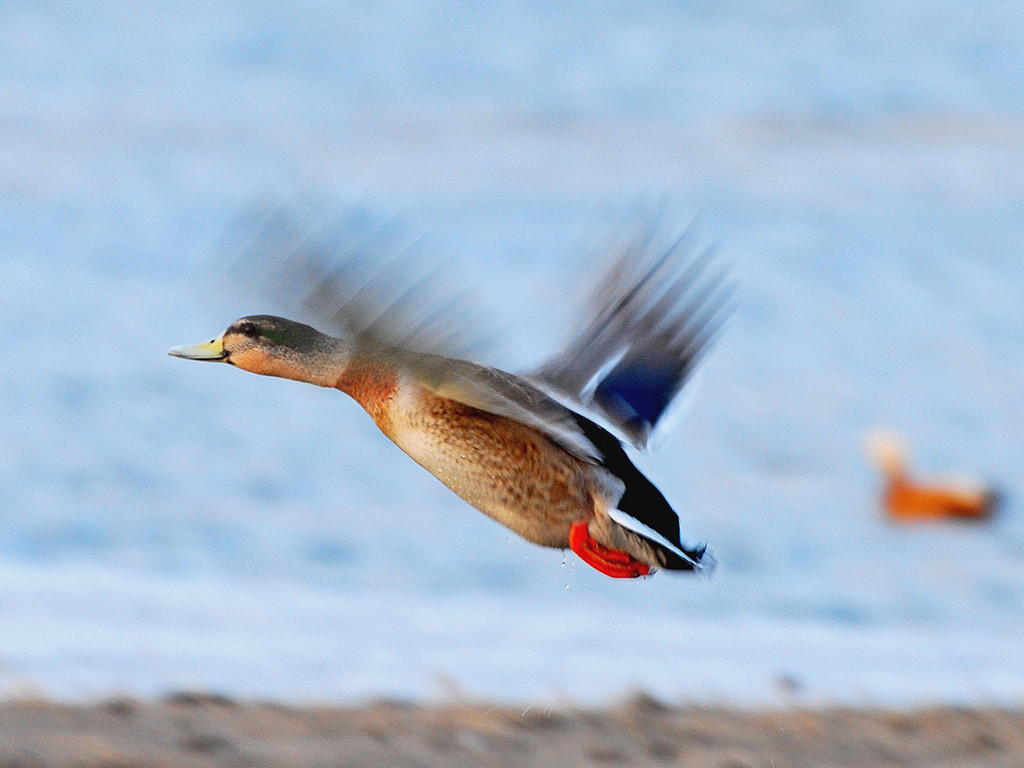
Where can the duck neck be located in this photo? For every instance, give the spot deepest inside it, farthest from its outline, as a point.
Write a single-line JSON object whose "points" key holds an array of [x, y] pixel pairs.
{"points": [[322, 364], [325, 366], [372, 381]]}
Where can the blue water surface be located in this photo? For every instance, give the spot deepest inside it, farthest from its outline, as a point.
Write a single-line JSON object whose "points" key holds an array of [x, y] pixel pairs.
{"points": [[170, 525]]}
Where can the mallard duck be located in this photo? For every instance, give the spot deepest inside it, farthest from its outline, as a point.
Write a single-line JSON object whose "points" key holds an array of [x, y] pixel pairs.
{"points": [[907, 499], [519, 448]]}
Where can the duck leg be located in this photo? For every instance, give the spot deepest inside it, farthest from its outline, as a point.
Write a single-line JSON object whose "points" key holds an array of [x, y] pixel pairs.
{"points": [[610, 562]]}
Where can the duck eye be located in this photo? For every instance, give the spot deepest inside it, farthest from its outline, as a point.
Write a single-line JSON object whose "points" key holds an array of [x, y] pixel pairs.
{"points": [[249, 329]]}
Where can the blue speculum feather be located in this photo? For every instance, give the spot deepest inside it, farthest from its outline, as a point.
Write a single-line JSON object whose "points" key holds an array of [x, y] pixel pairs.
{"points": [[637, 395]]}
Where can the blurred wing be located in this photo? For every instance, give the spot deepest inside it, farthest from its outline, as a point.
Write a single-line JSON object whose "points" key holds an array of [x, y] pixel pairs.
{"points": [[353, 273], [504, 394], [365, 279], [654, 315]]}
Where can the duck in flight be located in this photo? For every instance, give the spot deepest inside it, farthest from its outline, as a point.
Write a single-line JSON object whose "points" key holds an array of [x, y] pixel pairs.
{"points": [[528, 450]]}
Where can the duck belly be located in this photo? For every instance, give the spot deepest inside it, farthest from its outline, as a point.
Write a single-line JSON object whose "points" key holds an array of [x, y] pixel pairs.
{"points": [[510, 472]]}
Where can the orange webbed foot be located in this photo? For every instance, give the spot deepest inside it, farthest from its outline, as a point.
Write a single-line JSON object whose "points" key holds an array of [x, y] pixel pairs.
{"points": [[610, 562]]}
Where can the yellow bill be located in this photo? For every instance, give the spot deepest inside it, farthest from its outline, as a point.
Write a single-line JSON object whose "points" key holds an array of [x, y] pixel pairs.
{"points": [[211, 350]]}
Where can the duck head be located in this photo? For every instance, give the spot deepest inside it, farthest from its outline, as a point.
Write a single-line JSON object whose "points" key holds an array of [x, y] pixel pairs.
{"points": [[274, 346]]}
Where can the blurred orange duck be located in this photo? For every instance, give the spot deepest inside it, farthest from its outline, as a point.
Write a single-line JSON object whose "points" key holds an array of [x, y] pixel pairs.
{"points": [[908, 500]]}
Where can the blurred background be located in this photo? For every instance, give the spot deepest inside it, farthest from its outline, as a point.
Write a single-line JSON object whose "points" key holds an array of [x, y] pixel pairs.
{"points": [[171, 526]]}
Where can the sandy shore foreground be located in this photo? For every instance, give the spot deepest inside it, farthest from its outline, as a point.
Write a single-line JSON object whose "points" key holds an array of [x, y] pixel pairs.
{"points": [[198, 731]]}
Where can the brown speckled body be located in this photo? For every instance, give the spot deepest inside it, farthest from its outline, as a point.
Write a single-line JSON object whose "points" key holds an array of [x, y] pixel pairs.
{"points": [[509, 471]]}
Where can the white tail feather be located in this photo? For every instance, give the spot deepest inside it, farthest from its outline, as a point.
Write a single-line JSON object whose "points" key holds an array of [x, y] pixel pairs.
{"points": [[631, 523]]}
